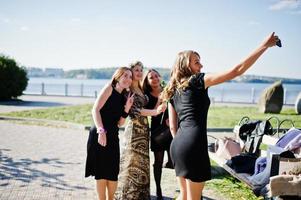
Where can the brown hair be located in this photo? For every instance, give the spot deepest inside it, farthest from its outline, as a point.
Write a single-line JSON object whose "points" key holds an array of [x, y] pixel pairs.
{"points": [[180, 74], [117, 74], [145, 83]]}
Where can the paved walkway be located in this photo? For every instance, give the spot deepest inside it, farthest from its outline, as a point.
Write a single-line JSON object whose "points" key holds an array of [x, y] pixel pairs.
{"points": [[39, 162]]}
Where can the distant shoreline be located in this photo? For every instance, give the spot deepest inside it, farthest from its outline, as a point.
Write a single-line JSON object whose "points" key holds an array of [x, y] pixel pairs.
{"points": [[241, 80], [106, 73]]}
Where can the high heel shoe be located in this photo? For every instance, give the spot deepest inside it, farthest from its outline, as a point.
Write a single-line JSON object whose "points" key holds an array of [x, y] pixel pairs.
{"points": [[168, 165]]}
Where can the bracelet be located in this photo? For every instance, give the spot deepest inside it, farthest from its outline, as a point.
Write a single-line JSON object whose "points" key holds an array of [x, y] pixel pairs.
{"points": [[124, 114], [101, 130]]}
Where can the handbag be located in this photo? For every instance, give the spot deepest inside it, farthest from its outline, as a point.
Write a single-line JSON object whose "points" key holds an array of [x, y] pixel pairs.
{"points": [[227, 148], [162, 136], [250, 133]]}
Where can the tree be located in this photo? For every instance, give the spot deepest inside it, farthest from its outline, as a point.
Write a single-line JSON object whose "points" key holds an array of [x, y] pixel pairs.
{"points": [[13, 79]]}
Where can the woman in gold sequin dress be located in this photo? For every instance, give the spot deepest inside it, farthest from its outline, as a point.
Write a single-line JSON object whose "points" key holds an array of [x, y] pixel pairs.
{"points": [[134, 176]]}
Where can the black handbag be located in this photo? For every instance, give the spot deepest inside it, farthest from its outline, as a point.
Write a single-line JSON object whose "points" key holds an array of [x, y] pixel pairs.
{"points": [[251, 132], [162, 135]]}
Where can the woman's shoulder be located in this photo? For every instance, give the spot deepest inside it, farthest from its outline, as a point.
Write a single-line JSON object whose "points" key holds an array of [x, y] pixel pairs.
{"points": [[106, 90], [197, 81]]}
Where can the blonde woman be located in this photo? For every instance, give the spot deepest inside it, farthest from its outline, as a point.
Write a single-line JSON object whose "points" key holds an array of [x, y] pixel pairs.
{"points": [[134, 176], [109, 112], [188, 107]]}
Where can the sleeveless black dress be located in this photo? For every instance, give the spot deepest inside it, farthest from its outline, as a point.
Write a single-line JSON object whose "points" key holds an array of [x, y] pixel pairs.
{"points": [[103, 162], [156, 124], [189, 148]]}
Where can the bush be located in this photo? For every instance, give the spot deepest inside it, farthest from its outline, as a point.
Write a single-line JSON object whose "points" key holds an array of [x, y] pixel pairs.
{"points": [[13, 78]]}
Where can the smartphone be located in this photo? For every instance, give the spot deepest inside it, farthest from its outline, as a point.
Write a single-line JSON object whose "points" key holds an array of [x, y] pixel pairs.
{"points": [[278, 43]]}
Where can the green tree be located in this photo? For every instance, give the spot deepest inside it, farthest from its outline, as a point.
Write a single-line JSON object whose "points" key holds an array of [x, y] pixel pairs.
{"points": [[13, 79]]}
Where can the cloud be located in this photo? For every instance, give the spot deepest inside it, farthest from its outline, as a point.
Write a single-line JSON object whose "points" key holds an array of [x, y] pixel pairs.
{"points": [[286, 5], [24, 28]]}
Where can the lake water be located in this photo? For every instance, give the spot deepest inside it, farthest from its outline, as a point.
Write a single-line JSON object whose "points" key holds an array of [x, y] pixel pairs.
{"points": [[226, 92]]}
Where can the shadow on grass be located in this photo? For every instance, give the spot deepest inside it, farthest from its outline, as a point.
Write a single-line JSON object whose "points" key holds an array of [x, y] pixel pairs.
{"points": [[17, 102], [25, 171]]}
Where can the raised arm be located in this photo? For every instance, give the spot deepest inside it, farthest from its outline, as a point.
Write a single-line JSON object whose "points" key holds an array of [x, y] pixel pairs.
{"points": [[173, 120], [214, 79], [153, 112]]}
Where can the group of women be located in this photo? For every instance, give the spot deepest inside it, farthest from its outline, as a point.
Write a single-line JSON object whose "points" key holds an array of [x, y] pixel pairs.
{"points": [[127, 176]]}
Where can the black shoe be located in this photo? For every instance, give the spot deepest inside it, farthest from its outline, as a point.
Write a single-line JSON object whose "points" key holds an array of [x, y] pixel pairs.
{"points": [[168, 165]]}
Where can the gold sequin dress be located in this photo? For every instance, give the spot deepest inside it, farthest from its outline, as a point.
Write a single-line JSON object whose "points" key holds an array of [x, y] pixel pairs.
{"points": [[134, 176]]}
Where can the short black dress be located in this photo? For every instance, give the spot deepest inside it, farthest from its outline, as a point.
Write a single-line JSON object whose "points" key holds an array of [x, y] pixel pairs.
{"points": [[189, 148], [156, 124], [103, 162]]}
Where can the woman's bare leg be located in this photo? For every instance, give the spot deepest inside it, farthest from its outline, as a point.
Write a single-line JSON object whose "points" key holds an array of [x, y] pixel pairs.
{"points": [[112, 185], [101, 189], [194, 189], [183, 189]]}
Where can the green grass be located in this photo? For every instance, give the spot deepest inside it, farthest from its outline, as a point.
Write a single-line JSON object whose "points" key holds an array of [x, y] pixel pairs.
{"points": [[80, 114], [229, 187], [224, 116]]}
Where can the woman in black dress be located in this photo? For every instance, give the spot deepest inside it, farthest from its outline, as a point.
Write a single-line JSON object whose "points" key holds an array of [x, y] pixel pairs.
{"points": [[188, 107], [109, 112], [152, 87]]}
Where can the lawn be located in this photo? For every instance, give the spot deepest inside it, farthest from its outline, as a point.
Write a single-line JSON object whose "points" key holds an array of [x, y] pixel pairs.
{"points": [[229, 187], [218, 116], [227, 116]]}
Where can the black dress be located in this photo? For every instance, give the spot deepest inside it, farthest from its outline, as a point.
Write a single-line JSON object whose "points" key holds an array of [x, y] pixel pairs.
{"points": [[103, 162], [156, 124], [189, 148]]}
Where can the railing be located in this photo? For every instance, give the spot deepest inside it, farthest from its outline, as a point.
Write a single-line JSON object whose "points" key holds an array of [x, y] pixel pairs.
{"points": [[63, 89], [223, 95]]}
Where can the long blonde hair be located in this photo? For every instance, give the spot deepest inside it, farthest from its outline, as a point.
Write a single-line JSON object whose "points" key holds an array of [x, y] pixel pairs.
{"points": [[180, 74], [132, 65]]}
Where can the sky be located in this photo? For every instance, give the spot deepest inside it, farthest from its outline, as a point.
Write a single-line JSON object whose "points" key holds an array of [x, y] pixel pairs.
{"points": [[74, 34]]}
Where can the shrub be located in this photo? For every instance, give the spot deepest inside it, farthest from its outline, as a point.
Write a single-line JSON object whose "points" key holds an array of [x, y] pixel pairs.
{"points": [[13, 79]]}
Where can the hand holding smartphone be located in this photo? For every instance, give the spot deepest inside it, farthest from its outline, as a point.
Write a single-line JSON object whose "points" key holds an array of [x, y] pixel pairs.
{"points": [[278, 43]]}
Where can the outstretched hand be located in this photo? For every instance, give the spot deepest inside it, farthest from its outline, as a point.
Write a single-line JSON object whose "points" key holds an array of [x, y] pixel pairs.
{"points": [[271, 40]]}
